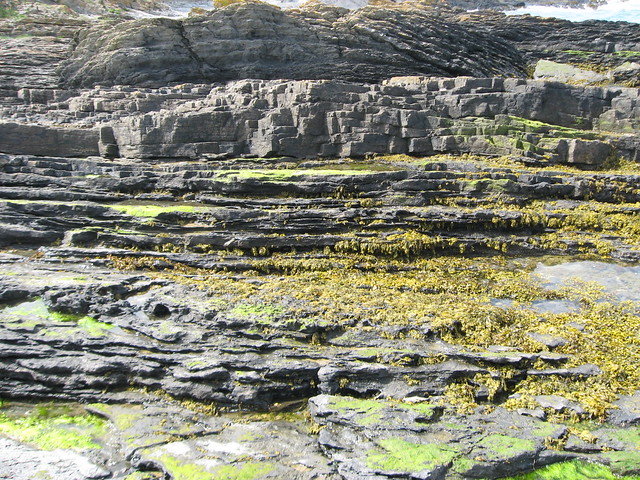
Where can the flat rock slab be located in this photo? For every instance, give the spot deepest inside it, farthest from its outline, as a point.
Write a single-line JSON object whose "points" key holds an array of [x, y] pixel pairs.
{"points": [[379, 439], [21, 462], [187, 444]]}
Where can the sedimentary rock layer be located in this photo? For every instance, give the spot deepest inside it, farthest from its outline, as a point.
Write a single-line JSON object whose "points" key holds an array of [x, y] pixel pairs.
{"points": [[261, 41], [322, 42], [546, 122]]}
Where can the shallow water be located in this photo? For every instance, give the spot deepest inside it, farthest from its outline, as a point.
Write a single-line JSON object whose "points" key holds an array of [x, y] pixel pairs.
{"points": [[622, 282], [614, 10]]}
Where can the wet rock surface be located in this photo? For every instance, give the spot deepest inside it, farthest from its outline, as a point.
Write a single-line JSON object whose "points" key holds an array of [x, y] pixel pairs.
{"points": [[333, 277], [377, 406], [154, 283]]}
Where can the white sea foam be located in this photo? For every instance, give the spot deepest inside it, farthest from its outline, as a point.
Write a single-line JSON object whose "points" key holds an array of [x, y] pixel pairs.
{"points": [[614, 10]]}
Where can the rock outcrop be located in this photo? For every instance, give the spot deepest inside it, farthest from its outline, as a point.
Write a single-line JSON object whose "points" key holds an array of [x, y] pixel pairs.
{"points": [[547, 122], [322, 42], [324, 276], [257, 40]]}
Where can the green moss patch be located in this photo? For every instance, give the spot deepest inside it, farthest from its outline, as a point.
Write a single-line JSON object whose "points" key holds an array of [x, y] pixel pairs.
{"points": [[151, 211], [402, 456], [245, 471], [368, 411], [371, 412], [36, 313], [37, 309], [535, 126], [500, 446], [575, 470], [623, 463], [262, 311], [285, 175], [94, 327], [124, 418], [181, 470], [49, 429], [626, 53]]}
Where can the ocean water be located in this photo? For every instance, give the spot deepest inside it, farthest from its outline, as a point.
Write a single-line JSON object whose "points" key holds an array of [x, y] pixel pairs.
{"points": [[614, 10]]}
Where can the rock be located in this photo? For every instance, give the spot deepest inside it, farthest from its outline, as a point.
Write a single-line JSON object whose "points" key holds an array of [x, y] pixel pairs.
{"points": [[370, 437], [175, 438], [592, 153], [548, 70], [627, 73], [20, 462], [558, 404], [191, 235], [535, 413], [583, 371], [578, 445], [313, 118], [550, 341], [38, 140], [11, 294], [626, 411], [229, 43]]}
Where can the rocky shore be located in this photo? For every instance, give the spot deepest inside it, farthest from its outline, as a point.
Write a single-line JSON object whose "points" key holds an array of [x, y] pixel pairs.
{"points": [[319, 244]]}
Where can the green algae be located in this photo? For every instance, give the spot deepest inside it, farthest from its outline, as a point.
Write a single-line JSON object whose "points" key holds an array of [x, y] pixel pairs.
{"points": [[36, 313], [181, 470], [630, 435], [244, 471], [462, 464], [263, 311], [500, 446], [49, 429], [151, 211], [626, 53], [372, 412], [546, 429], [284, 175], [94, 327], [123, 420], [38, 309], [368, 411], [580, 53], [535, 126], [402, 456], [573, 470], [623, 463], [143, 476]]}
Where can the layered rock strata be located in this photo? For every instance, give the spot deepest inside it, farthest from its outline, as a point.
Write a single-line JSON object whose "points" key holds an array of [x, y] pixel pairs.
{"points": [[261, 41], [545, 121], [323, 42], [343, 206], [153, 266]]}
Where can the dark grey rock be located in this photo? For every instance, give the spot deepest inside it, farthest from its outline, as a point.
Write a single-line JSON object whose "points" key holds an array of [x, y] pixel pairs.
{"points": [[37, 140], [320, 43], [626, 411]]}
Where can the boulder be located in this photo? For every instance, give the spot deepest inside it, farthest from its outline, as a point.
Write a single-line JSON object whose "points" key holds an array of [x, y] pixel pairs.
{"points": [[586, 152], [29, 139]]}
